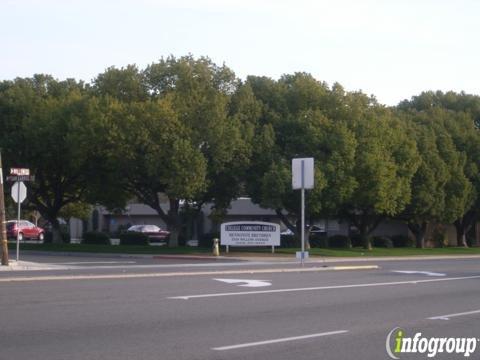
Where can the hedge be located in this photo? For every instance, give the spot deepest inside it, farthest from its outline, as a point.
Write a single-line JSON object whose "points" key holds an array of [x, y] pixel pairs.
{"points": [[339, 241], [96, 238], [133, 238]]}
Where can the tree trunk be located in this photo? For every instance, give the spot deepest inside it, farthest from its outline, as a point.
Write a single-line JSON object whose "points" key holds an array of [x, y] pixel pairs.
{"points": [[367, 244], [461, 233], [419, 230], [56, 231], [366, 223], [286, 221], [174, 223]]}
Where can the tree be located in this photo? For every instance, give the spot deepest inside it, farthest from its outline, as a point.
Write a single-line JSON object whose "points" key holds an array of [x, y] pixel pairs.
{"points": [[385, 162], [157, 157], [183, 141], [439, 185], [55, 128], [293, 123], [462, 124], [467, 141]]}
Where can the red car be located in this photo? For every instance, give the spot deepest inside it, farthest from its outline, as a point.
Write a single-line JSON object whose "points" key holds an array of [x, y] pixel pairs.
{"points": [[25, 230], [154, 233]]}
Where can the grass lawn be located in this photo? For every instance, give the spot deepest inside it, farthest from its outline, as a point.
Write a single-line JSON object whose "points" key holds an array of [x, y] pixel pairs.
{"points": [[359, 252], [355, 252], [112, 249]]}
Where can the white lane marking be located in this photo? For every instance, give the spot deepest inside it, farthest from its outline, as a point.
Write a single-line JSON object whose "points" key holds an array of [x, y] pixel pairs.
{"points": [[166, 274], [94, 262], [274, 341], [258, 292], [447, 317], [247, 283], [428, 273]]}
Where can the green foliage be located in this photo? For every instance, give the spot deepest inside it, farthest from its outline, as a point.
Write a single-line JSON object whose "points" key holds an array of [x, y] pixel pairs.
{"points": [[76, 210], [339, 241], [96, 238], [184, 140], [188, 130], [289, 241], [64, 237], [56, 129], [318, 240], [206, 240], [382, 241], [400, 241], [133, 238]]}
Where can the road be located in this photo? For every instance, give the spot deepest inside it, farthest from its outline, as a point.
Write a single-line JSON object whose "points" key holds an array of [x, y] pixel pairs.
{"points": [[178, 309]]}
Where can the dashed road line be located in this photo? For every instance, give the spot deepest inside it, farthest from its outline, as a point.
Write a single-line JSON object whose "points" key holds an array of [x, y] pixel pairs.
{"points": [[447, 317], [275, 341]]}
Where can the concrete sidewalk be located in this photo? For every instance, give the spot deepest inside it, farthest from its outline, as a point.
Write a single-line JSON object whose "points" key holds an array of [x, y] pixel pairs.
{"points": [[28, 265]]}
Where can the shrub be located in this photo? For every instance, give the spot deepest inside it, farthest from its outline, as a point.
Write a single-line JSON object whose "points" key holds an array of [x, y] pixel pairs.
{"points": [[382, 241], [356, 240], [400, 241], [320, 241], [133, 238], [48, 239], [289, 241], [206, 240], [96, 238], [339, 241]]}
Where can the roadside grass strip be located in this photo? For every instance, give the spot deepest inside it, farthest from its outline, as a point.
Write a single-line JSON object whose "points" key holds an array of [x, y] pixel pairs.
{"points": [[282, 340]]}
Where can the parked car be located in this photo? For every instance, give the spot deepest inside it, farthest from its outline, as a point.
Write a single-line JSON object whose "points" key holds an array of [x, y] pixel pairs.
{"points": [[25, 230], [154, 232], [287, 232], [314, 229]]}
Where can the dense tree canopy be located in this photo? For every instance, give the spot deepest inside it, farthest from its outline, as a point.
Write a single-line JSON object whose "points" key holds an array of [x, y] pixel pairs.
{"points": [[191, 131], [56, 129]]}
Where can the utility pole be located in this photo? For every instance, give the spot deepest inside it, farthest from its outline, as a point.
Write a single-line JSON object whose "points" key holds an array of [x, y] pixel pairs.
{"points": [[3, 230]]}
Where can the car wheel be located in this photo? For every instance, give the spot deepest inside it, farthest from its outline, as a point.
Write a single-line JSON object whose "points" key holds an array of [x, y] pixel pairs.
{"points": [[20, 237], [41, 237]]}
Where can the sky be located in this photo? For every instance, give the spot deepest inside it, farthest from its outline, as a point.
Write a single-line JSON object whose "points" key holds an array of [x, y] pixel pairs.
{"points": [[392, 49]]}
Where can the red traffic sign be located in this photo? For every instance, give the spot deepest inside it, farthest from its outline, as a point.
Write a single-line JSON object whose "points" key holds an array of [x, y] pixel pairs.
{"points": [[19, 171]]}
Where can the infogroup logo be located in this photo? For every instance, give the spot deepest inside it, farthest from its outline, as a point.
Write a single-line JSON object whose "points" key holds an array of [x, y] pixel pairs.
{"points": [[398, 343]]}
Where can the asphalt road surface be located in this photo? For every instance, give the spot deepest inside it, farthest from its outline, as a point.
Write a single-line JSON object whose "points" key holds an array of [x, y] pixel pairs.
{"points": [[144, 308]]}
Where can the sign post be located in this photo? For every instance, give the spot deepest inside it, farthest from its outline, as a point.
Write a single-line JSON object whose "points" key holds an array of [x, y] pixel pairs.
{"points": [[302, 178], [3, 231], [19, 194]]}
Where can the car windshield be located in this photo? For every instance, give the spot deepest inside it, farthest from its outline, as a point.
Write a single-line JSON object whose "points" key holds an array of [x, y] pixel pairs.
{"points": [[151, 228], [11, 224]]}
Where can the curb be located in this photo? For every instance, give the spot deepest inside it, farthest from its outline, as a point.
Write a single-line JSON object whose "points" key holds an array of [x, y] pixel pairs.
{"points": [[240, 257]]}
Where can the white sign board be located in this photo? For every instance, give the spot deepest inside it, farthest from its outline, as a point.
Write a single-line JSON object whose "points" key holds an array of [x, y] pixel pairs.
{"points": [[250, 233], [19, 194], [302, 173]]}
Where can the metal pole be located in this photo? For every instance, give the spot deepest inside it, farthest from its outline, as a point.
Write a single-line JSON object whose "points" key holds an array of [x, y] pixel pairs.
{"points": [[18, 220], [303, 212], [3, 230], [303, 225]]}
